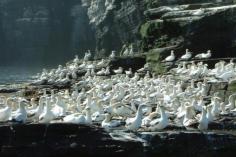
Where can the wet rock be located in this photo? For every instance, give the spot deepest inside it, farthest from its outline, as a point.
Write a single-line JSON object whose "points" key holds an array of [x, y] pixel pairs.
{"points": [[7, 90]]}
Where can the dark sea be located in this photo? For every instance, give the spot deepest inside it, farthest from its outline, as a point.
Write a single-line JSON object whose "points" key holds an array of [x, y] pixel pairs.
{"points": [[16, 75]]}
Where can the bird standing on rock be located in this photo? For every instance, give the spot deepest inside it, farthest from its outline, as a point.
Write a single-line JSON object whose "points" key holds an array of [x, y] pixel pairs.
{"points": [[204, 55], [112, 55], [171, 57], [187, 55]]}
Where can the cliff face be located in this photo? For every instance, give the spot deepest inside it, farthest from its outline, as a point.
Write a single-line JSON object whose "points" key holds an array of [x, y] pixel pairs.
{"points": [[43, 30], [195, 25], [54, 30], [116, 23]]}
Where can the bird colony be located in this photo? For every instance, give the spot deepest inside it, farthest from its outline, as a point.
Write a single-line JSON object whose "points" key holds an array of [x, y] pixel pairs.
{"points": [[131, 100]]}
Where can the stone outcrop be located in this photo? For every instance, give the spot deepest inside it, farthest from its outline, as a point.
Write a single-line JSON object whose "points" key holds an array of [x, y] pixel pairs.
{"points": [[196, 26], [116, 23], [63, 140]]}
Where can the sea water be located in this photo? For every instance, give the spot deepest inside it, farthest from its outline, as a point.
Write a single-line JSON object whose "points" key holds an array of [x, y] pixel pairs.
{"points": [[15, 75]]}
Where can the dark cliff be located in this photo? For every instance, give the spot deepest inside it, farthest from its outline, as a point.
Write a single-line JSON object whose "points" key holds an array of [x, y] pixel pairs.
{"points": [[43, 30], [52, 31], [116, 23]]}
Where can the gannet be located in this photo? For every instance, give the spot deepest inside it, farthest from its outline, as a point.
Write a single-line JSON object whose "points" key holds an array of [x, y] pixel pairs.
{"points": [[129, 72], [107, 123], [20, 115], [76, 59], [126, 52], [5, 113], [204, 55], [189, 116], [171, 57], [79, 118], [47, 115], [134, 124], [187, 55], [203, 122], [101, 72], [209, 115], [231, 100], [107, 72], [160, 123], [131, 51], [119, 70], [112, 55], [101, 63]]}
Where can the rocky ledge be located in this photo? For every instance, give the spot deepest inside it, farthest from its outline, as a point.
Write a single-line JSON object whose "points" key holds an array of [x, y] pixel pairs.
{"points": [[68, 140], [196, 26]]}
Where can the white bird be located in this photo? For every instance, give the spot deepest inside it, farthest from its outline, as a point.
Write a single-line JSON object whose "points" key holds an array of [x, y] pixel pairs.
{"points": [[135, 123], [189, 116], [231, 100], [47, 115], [204, 55], [112, 55], [79, 118], [203, 122], [171, 57], [119, 70], [101, 63], [160, 123], [187, 55], [107, 123], [131, 51], [5, 113], [76, 59], [107, 72], [101, 72], [126, 52], [209, 115], [20, 115], [129, 72]]}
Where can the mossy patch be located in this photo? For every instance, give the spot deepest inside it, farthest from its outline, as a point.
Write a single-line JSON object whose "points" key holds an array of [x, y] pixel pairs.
{"points": [[232, 87], [150, 27], [154, 59]]}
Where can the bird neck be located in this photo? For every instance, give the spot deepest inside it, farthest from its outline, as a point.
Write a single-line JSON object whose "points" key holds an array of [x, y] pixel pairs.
{"points": [[88, 116], [21, 106], [203, 116], [139, 113], [163, 114]]}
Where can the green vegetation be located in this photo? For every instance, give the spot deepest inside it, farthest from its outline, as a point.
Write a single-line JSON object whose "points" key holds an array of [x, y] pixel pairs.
{"points": [[232, 87], [144, 29], [154, 59], [150, 28]]}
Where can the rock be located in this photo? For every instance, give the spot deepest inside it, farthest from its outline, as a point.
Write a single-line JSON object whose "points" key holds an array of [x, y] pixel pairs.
{"points": [[190, 26], [115, 24], [190, 144], [72, 140], [7, 90], [128, 62], [62, 140]]}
